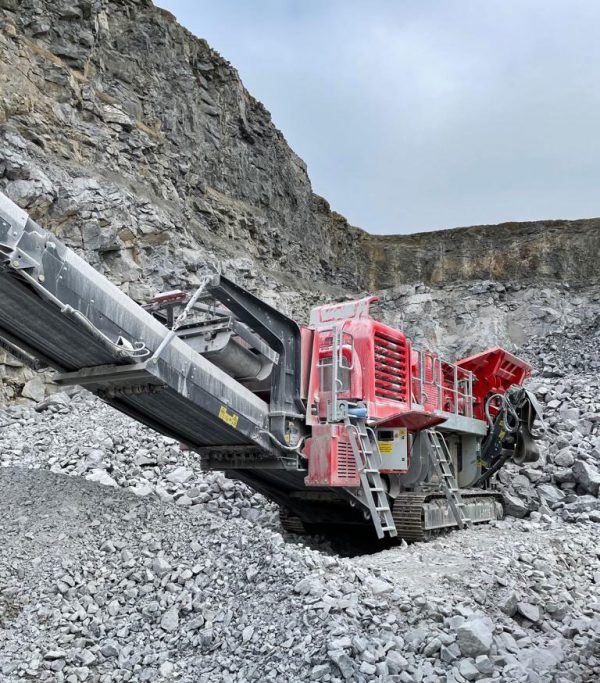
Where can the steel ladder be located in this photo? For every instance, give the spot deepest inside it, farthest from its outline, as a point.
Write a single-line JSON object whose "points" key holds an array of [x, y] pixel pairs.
{"points": [[374, 496], [439, 456]]}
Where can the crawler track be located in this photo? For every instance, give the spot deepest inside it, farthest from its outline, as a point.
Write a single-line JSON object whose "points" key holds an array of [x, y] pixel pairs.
{"points": [[407, 511]]}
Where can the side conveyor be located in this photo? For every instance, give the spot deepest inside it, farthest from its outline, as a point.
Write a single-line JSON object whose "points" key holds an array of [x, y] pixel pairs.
{"points": [[57, 308]]}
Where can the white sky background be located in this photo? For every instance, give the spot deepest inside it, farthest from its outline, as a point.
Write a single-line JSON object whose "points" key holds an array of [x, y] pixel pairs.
{"points": [[423, 114]]}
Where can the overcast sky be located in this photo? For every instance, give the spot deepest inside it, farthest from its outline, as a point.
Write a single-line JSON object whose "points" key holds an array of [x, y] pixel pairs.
{"points": [[415, 115]]}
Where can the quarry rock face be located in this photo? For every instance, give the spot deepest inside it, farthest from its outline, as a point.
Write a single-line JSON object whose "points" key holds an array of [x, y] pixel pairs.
{"points": [[137, 143], [138, 146]]}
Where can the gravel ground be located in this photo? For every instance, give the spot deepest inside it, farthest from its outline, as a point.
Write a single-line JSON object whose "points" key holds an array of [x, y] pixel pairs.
{"points": [[122, 561], [100, 585]]}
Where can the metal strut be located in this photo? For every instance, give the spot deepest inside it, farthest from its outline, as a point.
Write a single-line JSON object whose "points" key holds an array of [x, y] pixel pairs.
{"points": [[374, 496], [439, 456]]}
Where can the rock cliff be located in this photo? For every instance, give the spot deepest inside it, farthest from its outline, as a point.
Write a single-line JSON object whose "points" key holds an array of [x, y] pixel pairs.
{"points": [[136, 142], [138, 145]]}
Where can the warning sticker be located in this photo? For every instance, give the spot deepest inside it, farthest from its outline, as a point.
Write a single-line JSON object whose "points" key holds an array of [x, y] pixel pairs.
{"points": [[385, 446], [229, 418]]}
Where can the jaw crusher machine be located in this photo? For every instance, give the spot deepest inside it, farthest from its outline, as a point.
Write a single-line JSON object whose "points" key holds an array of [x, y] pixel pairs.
{"points": [[342, 423]]}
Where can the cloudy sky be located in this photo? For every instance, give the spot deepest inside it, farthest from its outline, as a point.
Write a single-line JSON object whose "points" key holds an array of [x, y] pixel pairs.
{"points": [[416, 115]]}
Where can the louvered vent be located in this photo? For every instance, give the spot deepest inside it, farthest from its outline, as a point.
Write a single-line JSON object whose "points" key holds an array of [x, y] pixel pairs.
{"points": [[390, 368], [346, 464]]}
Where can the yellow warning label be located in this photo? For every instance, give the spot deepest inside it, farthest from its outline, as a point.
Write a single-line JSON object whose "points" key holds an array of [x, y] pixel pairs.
{"points": [[229, 418], [403, 433], [385, 446]]}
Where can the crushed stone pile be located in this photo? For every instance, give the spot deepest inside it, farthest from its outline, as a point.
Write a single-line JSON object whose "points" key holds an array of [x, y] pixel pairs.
{"points": [[98, 584], [566, 381], [74, 433], [140, 567]]}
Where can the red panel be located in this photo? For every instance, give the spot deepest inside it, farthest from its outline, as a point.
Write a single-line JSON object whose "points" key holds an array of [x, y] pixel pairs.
{"points": [[495, 371], [379, 357], [330, 458], [413, 420]]}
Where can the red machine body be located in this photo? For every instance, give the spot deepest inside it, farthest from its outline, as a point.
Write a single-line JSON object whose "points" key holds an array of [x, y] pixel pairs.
{"points": [[495, 370], [399, 386], [330, 457]]}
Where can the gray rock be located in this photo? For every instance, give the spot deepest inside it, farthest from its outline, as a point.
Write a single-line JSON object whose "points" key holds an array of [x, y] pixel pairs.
{"points": [[468, 669], [378, 586], [508, 604], [514, 506], [475, 637], [170, 620], [343, 663], [484, 664], [530, 612], [587, 476], [110, 648], [160, 566], [551, 493], [395, 662], [319, 672], [564, 458], [180, 475], [35, 389], [101, 477]]}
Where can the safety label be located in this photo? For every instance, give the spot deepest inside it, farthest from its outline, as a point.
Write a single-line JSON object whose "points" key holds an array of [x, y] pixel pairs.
{"points": [[229, 418]]}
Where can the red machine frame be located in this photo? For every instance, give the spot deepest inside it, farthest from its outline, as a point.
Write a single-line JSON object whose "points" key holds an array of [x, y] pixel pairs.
{"points": [[399, 386]]}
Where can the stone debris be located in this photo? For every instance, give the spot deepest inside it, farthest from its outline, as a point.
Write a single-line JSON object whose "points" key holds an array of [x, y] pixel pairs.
{"points": [[475, 637], [138, 540], [566, 478], [123, 582], [79, 435]]}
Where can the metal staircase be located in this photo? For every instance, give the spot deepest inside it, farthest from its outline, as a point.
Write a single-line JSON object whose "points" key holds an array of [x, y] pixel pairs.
{"points": [[372, 492], [439, 456]]}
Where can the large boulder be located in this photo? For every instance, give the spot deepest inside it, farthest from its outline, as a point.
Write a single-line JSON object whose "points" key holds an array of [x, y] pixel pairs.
{"points": [[475, 637], [35, 389], [513, 505], [587, 476]]}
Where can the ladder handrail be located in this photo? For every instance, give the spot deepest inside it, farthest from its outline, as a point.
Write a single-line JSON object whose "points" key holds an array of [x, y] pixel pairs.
{"points": [[372, 494], [439, 455]]}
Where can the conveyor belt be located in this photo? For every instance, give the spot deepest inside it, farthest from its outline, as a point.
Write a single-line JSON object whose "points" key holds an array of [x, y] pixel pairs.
{"points": [[64, 311]]}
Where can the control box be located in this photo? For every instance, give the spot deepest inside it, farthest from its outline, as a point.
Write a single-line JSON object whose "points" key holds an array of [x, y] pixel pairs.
{"points": [[393, 447]]}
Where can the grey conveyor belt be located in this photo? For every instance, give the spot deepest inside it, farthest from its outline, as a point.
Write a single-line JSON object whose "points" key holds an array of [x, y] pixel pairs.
{"points": [[56, 307]]}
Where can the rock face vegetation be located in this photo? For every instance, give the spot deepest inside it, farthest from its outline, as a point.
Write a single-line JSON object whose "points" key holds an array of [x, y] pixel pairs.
{"points": [[138, 145]]}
